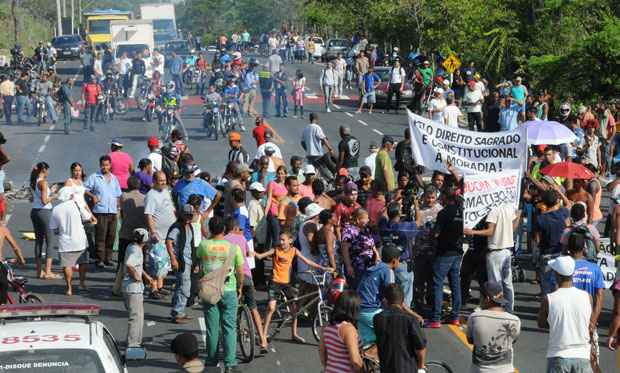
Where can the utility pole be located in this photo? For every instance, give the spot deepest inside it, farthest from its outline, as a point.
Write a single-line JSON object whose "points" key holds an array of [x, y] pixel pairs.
{"points": [[72, 16], [64, 8], [59, 17]]}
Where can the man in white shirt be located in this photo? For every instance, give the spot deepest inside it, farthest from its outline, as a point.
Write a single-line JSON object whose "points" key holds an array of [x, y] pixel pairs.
{"points": [[158, 61], [313, 140], [473, 103], [274, 62], [148, 62], [340, 66], [397, 85], [501, 223], [71, 241], [124, 67], [451, 113], [372, 157], [327, 82], [566, 312], [436, 106], [154, 153], [269, 149]]}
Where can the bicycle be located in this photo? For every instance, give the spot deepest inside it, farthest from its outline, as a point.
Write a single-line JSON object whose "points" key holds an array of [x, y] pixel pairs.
{"points": [[371, 364], [18, 284], [212, 119], [246, 333], [284, 307]]}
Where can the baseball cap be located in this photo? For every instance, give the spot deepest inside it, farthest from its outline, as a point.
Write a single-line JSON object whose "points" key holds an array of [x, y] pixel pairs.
{"points": [[495, 291], [189, 168], [373, 145], [563, 265], [116, 142], [141, 234], [257, 186], [258, 120], [188, 210], [439, 90], [184, 344], [390, 252], [309, 170], [387, 139], [313, 210], [153, 141], [343, 172], [350, 187]]}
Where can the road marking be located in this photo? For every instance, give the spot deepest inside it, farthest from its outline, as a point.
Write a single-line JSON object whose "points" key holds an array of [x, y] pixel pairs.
{"points": [[349, 114], [343, 97], [312, 96], [362, 122], [46, 139], [41, 148], [203, 330], [337, 107], [377, 132], [458, 332]]}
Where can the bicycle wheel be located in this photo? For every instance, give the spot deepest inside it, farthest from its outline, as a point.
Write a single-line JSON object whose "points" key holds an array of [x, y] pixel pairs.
{"points": [[321, 318], [281, 315], [437, 367], [30, 298], [245, 333], [121, 107]]}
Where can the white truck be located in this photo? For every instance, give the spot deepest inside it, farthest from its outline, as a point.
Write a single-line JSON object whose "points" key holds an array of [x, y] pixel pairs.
{"points": [[132, 36], [164, 21]]}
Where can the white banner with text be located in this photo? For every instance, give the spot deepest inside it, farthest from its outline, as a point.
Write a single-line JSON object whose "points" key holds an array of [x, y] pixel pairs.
{"points": [[482, 193]]}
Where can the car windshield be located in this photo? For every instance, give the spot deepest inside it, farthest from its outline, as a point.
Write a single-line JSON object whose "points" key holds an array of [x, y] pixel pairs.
{"points": [[99, 26], [130, 49], [339, 43], [178, 47], [50, 361], [65, 40]]}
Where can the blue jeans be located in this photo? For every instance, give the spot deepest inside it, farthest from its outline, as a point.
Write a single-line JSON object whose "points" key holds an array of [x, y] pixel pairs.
{"points": [[182, 290], [66, 112], [178, 82], [366, 327], [444, 266], [281, 102], [51, 111], [23, 102], [568, 365], [404, 278], [8, 103], [266, 95]]}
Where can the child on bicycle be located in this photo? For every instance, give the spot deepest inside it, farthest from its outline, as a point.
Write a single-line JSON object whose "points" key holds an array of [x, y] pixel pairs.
{"points": [[282, 257]]}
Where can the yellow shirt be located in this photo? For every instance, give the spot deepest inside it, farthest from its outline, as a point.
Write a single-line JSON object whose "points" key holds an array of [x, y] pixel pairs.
{"points": [[7, 88]]}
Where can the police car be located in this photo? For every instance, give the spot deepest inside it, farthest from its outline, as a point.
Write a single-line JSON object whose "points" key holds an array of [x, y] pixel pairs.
{"points": [[55, 338]]}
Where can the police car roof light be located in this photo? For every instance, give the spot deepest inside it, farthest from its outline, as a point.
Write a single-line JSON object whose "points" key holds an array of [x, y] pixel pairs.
{"points": [[16, 311]]}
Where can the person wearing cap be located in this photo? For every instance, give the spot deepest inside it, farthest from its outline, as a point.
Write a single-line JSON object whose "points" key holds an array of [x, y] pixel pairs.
{"points": [[221, 317], [237, 152], [567, 313], [122, 163], [508, 114], [305, 188], [181, 249], [190, 184], [384, 171], [370, 160], [397, 79], [437, 105], [347, 205], [105, 191], [133, 285], [90, 92], [66, 224], [472, 101], [348, 151], [588, 277], [488, 325], [154, 153], [271, 150], [186, 353], [401, 344]]}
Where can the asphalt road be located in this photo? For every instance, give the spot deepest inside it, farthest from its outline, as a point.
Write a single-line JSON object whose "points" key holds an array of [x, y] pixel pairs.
{"points": [[29, 144]]}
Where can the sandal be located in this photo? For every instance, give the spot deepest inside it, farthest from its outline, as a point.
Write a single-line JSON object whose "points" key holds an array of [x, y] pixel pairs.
{"points": [[298, 339]]}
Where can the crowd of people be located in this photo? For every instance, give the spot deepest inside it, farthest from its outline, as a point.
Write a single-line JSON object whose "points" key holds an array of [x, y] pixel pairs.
{"points": [[393, 235]]}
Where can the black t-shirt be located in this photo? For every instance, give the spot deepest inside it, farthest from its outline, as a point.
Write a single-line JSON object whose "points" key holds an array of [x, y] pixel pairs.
{"points": [[398, 337], [449, 228], [404, 158], [350, 146], [23, 88]]}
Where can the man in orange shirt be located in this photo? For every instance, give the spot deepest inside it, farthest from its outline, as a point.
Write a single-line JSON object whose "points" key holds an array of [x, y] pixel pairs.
{"points": [[90, 92]]}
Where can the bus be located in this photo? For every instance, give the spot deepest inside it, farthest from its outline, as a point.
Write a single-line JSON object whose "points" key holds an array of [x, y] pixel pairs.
{"points": [[98, 24]]}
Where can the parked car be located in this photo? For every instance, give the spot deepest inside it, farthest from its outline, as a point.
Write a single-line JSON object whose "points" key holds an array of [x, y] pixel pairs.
{"points": [[383, 88], [334, 47], [67, 46], [319, 47]]}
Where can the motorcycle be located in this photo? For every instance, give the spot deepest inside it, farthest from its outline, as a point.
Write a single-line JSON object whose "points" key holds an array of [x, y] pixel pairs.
{"points": [[212, 119], [167, 121], [144, 88], [231, 117], [151, 104], [41, 109]]}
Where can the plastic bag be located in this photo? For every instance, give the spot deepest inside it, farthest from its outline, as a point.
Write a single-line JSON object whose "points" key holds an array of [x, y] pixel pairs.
{"points": [[159, 260], [75, 113]]}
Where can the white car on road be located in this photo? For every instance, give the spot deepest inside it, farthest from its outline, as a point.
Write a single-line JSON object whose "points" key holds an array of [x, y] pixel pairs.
{"points": [[56, 338]]}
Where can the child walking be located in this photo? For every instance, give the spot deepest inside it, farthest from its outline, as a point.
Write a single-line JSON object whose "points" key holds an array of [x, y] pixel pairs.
{"points": [[282, 257], [299, 84]]}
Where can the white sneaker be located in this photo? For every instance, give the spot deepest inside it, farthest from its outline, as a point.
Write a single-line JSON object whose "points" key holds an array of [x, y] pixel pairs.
{"points": [[329, 110]]}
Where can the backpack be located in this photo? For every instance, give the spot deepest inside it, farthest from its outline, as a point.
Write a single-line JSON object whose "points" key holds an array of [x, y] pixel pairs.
{"points": [[211, 287], [168, 165], [589, 250]]}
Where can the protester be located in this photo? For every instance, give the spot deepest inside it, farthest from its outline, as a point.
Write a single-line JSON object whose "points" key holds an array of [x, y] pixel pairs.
{"points": [[40, 215]]}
